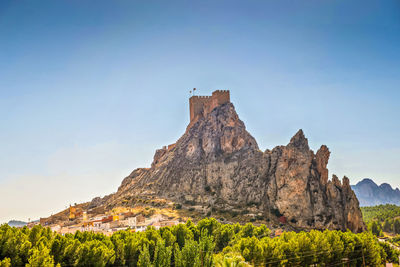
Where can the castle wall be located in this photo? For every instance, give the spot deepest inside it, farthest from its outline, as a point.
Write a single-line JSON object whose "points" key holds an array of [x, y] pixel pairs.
{"points": [[197, 104], [171, 146]]}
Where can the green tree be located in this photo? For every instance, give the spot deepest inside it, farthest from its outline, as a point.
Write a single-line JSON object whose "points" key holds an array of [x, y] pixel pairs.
{"points": [[40, 256], [70, 255], [224, 236], [375, 228], [182, 233], [95, 253], [210, 224], [390, 254], [336, 246], [167, 236], [321, 246], [371, 249], [153, 237], [194, 229], [189, 256], [134, 244], [387, 226], [15, 244], [162, 255], [206, 249], [303, 246], [35, 234], [251, 249], [230, 260], [396, 226], [119, 248], [6, 262], [144, 258], [248, 230], [262, 231]]}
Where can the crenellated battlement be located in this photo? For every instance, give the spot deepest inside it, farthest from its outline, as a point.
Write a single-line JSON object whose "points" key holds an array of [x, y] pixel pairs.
{"points": [[201, 96], [200, 106]]}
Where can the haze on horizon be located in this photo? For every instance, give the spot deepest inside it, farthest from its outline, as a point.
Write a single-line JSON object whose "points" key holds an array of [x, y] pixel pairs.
{"points": [[89, 90]]}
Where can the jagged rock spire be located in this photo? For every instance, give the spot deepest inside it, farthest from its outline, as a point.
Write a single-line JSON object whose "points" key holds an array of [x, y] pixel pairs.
{"points": [[299, 141], [322, 158]]}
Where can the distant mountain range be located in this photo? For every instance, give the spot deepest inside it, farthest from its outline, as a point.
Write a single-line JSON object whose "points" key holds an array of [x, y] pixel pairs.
{"points": [[370, 194], [15, 223]]}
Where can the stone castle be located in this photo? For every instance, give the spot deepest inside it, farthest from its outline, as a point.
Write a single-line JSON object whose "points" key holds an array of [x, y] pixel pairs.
{"points": [[201, 106]]}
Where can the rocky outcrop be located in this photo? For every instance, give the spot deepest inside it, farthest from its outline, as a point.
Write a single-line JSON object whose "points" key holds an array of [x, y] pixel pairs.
{"points": [[217, 164]]}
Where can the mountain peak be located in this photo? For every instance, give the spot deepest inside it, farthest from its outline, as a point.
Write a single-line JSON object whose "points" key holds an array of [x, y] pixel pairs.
{"points": [[370, 194], [299, 140], [217, 165], [219, 132], [367, 181], [386, 186]]}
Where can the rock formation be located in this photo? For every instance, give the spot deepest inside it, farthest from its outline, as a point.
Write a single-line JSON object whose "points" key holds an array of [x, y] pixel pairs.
{"points": [[217, 164]]}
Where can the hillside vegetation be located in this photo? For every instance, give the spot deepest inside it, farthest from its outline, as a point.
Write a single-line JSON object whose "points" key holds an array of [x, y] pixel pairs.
{"points": [[209, 243], [382, 218], [380, 212]]}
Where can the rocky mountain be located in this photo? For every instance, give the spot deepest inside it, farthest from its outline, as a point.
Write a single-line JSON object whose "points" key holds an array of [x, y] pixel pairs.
{"points": [[15, 223], [217, 165], [370, 194]]}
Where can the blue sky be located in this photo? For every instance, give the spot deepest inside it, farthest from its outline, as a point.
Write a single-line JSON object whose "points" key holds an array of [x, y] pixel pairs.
{"points": [[89, 89]]}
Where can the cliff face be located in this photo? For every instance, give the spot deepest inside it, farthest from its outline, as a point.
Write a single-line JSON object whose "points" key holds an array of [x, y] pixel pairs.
{"points": [[217, 164]]}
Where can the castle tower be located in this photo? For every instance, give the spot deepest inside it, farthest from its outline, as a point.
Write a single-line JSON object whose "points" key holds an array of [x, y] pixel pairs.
{"points": [[219, 98], [201, 106]]}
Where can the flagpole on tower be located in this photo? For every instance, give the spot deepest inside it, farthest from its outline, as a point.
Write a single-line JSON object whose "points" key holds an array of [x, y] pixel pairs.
{"points": [[192, 91]]}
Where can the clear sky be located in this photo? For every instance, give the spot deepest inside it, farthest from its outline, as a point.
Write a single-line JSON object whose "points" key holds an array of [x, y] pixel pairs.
{"points": [[89, 89]]}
